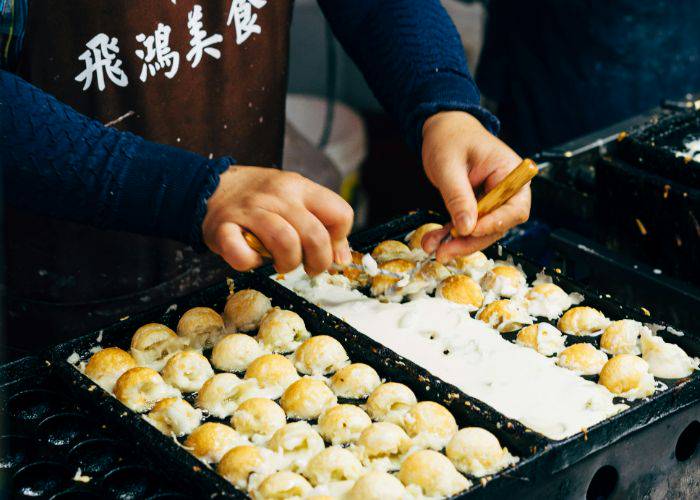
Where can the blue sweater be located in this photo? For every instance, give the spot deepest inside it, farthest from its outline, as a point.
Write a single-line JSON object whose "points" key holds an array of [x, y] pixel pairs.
{"points": [[58, 162]]}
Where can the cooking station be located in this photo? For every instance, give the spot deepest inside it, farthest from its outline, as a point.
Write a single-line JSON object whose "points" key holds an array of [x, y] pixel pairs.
{"points": [[64, 437]]}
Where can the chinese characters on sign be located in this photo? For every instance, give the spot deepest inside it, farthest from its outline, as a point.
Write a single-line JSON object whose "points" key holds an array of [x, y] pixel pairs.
{"points": [[244, 19], [200, 42], [158, 54], [101, 59]]}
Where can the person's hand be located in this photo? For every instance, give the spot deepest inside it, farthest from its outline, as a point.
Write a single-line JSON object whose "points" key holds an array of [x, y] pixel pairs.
{"points": [[293, 217], [460, 156]]}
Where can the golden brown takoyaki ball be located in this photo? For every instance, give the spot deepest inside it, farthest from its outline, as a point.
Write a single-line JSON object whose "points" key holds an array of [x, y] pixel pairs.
{"points": [[433, 473], [107, 365], [282, 331], [307, 398], [174, 416], [244, 310], [627, 375], [320, 355], [140, 388], [355, 381], [202, 326], [391, 250], [390, 402], [187, 371], [461, 289], [582, 321], [211, 441]]}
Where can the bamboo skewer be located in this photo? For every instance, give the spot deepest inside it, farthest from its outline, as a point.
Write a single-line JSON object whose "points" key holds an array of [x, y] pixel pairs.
{"points": [[504, 190]]}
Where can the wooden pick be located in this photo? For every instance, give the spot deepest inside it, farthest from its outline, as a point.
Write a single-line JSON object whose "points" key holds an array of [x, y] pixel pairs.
{"points": [[256, 244], [504, 190]]}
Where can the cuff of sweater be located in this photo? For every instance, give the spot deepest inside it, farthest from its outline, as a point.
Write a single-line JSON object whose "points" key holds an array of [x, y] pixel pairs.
{"points": [[163, 191], [445, 91]]}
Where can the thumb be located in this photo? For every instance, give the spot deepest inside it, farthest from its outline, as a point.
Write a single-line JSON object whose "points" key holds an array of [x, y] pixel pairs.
{"points": [[456, 190]]}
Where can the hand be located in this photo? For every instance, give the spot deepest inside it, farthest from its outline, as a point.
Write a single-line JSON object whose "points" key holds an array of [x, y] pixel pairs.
{"points": [[459, 154], [293, 217]]}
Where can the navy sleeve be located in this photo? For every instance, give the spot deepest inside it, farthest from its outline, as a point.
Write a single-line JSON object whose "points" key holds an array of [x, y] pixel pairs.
{"points": [[60, 163], [412, 57]]}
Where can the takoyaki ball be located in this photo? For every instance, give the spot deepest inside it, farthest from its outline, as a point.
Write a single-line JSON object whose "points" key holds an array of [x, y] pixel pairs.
{"points": [[474, 265], [377, 485], [666, 360], [542, 337], [582, 358], [430, 425], [343, 424], [355, 381], [415, 241], [153, 344], [387, 287], [235, 352], [391, 250], [187, 371], [390, 402], [211, 441], [461, 289], [504, 315], [307, 398], [504, 281], [333, 464], [628, 376], [258, 418], [297, 442], [282, 331], [320, 355], [356, 276], [547, 300], [223, 393], [477, 452], [432, 473], [273, 373], [244, 310], [429, 275], [622, 337], [174, 416], [283, 485], [202, 326], [140, 388], [107, 365], [583, 321], [383, 445], [241, 462]]}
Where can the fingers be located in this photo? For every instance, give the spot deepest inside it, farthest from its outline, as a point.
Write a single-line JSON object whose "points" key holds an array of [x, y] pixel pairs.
{"points": [[234, 249], [452, 181], [315, 240], [431, 241], [337, 217], [464, 246], [278, 236], [515, 211]]}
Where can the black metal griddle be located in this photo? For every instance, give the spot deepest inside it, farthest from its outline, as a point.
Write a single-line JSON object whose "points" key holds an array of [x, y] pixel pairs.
{"points": [[655, 145], [544, 463]]}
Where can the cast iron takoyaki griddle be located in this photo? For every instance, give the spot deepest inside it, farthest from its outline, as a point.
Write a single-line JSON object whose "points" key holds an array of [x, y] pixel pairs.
{"points": [[540, 457], [48, 436], [558, 455], [467, 411]]}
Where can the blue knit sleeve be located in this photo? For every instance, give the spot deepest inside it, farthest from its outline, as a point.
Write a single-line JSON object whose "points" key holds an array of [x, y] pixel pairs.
{"points": [[412, 57], [59, 163]]}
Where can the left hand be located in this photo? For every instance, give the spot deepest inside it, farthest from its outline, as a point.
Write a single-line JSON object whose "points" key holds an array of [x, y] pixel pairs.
{"points": [[459, 155]]}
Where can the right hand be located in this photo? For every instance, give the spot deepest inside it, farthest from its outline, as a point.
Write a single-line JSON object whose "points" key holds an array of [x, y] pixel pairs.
{"points": [[296, 219]]}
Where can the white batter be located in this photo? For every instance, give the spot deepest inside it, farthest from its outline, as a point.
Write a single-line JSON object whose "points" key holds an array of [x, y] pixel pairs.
{"points": [[517, 381]]}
